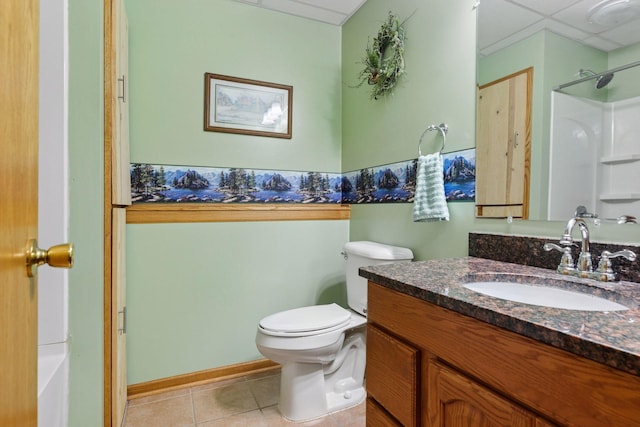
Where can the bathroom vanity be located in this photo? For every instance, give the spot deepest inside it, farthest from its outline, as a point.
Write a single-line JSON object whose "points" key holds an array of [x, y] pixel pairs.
{"points": [[439, 354]]}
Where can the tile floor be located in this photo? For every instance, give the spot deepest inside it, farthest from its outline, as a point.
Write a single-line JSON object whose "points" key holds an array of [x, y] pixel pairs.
{"points": [[249, 401]]}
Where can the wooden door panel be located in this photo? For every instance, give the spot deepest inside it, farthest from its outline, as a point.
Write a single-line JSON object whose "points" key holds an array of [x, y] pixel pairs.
{"points": [[19, 212], [492, 136], [378, 417], [503, 146], [121, 179], [119, 222], [457, 401], [395, 389], [517, 140]]}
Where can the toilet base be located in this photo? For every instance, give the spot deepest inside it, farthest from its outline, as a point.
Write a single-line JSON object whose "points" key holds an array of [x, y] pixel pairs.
{"points": [[339, 401], [302, 388], [313, 390]]}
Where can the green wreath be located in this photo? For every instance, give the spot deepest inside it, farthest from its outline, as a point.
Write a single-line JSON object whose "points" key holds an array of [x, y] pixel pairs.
{"points": [[384, 60]]}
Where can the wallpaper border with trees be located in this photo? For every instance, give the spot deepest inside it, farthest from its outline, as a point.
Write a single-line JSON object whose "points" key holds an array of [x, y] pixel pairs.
{"points": [[391, 183]]}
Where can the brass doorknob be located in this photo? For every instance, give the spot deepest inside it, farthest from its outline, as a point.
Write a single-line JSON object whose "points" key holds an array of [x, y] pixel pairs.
{"points": [[57, 256]]}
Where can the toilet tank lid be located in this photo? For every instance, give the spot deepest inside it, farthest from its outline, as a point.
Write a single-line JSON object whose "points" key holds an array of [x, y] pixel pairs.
{"points": [[376, 250], [306, 319]]}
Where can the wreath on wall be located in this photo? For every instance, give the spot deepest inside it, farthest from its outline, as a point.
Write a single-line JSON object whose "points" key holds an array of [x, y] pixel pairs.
{"points": [[384, 59]]}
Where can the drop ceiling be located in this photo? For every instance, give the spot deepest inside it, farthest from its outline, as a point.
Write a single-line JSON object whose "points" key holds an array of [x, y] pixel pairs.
{"points": [[500, 22], [335, 12], [503, 22]]}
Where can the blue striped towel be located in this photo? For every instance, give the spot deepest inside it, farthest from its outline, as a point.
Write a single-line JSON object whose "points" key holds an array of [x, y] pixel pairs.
{"points": [[429, 203]]}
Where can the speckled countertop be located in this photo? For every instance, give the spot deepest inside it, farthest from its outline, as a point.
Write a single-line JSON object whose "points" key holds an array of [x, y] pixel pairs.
{"points": [[611, 338]]}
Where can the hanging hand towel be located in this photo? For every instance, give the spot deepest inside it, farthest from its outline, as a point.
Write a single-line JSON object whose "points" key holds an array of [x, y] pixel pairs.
{"points": [[429, 203]]}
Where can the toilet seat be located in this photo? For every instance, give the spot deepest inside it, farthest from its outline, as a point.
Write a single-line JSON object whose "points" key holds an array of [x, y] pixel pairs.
{"points": [[305, 321]]}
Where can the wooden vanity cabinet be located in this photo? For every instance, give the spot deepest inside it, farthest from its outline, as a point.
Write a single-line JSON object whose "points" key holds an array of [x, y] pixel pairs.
{"points": [[455, 400], [392, 378], [432, 367]]}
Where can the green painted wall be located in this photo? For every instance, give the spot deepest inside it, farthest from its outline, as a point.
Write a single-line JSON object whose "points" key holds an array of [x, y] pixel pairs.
{"points": [[625, 83], [173, 43], [85, 212], [196, 292], [439, 86], [195, 300]]}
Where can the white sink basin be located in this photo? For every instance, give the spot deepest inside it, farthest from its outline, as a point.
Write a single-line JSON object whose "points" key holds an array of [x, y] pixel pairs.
{"points": [[544, 296]]}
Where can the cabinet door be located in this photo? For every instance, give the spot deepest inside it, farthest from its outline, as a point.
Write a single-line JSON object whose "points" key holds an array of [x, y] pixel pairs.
{"points": [[392, 375], [457, 401], [503, 147], [119, 316], [378, 417], [120, 175]]}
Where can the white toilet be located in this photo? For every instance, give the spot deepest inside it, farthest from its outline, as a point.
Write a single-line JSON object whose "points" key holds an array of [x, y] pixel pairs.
{"points": [[321, 348]]}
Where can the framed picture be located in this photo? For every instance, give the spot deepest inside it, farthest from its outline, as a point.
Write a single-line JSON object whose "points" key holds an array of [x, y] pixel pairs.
{"points": [[249, 107]]}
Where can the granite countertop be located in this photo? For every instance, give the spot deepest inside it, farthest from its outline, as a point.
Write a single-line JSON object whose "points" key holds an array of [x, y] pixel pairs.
{"points": [[611, 338]]}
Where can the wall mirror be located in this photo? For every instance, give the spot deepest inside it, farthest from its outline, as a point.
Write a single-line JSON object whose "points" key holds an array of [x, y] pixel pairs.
{"points": [[566, 41]]}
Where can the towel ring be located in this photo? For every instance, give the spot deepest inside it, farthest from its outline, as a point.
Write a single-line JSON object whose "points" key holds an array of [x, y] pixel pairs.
{"points": [[443, 128]]}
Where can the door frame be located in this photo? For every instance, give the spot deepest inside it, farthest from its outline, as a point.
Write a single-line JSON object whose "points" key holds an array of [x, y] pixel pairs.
{"points": [[110, 318]]}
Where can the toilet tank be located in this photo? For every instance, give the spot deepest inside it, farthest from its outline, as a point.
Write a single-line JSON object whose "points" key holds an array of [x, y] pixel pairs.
{"points": [[363, 254]]}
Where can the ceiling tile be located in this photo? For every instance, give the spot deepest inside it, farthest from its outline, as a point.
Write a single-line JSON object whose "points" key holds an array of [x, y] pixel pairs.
{"points": [[625, 34], [565, 30], [600, 43], [305, 10], [346, 7], [499, 19], [508, 41], [576, 16], [546, 7], [500, 22]]}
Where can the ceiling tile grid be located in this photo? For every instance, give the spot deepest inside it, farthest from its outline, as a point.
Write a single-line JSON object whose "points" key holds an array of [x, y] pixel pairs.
{"points": [[503, 22]]}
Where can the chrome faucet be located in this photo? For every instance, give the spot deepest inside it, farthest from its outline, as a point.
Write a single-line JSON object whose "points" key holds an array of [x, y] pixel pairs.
{"points": [[584, 260], [584, 267]]}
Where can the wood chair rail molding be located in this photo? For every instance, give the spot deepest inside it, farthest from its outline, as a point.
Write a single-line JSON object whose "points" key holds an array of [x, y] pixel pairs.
{"points": [[203, 212]]}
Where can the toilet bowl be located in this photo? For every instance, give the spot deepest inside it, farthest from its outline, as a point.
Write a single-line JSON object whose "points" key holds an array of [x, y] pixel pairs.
{"points": [[321, 348]]}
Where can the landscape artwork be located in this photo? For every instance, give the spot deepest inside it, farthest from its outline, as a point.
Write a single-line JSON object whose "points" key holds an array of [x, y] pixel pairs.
{"points": [[392, 183], [182, 184], [396, 182], [249, 107], [460, 175]]}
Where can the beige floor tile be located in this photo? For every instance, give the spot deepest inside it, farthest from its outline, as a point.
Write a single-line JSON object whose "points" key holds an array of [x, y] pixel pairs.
{"points": [[266, 390], [228, 404], [352, 417], [176, 412], [223, 402], [247, 419], [276, 420]]}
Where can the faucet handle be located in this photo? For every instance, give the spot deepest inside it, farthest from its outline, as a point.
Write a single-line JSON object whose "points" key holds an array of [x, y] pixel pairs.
{"points": [[566, 262], [625, 253], [604, 266]]}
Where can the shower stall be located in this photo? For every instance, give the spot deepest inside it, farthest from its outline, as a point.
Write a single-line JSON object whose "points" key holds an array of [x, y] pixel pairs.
{"points": [[594, 152]]}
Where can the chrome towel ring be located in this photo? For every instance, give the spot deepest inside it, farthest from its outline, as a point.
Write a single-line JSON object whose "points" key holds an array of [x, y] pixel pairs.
{"points": [[443, 128]]}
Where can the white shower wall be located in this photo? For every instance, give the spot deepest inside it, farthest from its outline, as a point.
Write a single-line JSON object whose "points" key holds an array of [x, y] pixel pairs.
{"points": [[594, 157]]}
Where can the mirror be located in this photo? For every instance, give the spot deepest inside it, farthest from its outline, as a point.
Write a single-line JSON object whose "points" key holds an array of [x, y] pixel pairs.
{"points": [[557, 40]]}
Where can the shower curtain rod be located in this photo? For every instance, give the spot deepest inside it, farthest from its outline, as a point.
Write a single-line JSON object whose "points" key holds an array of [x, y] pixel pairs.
{"points": [[595, 76]]}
